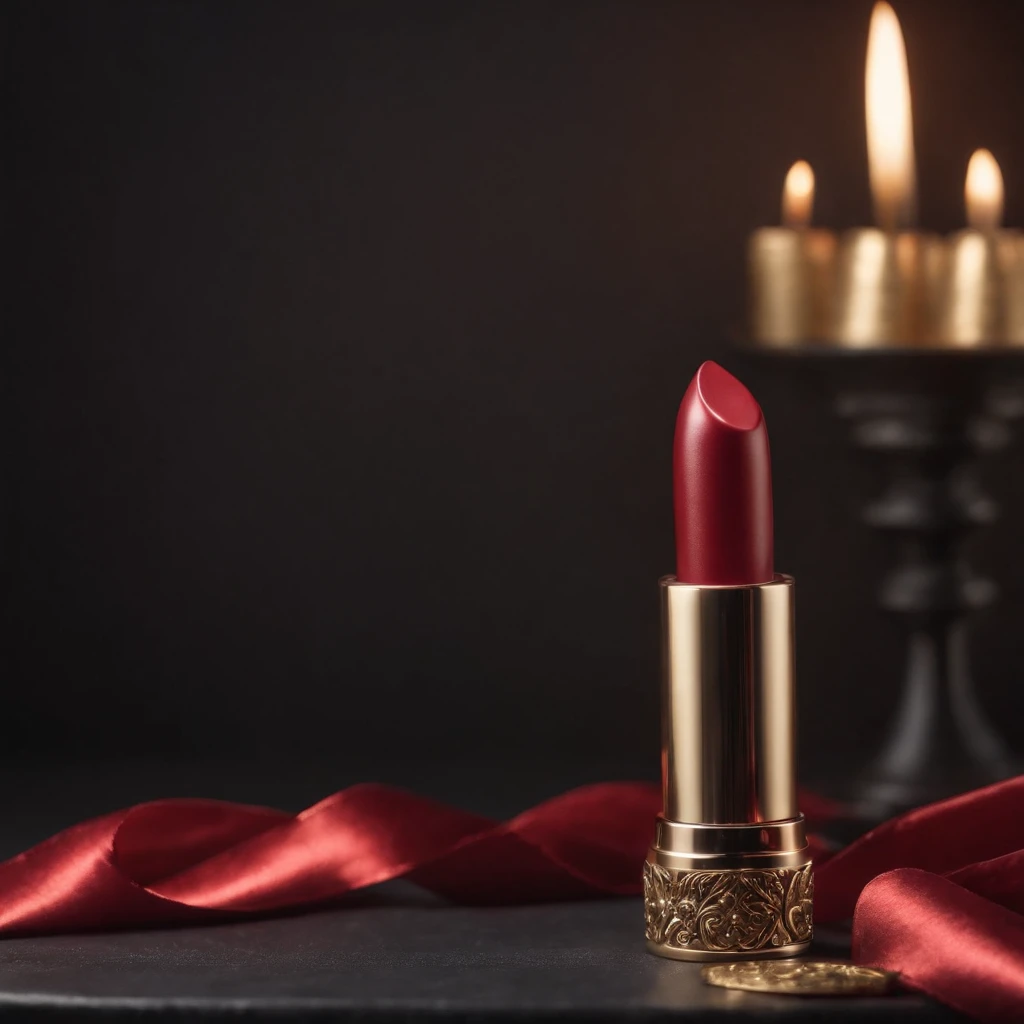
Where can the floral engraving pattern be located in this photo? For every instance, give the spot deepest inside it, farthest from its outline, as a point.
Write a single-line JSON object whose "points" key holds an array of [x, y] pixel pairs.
{"points": [[737, 910]]}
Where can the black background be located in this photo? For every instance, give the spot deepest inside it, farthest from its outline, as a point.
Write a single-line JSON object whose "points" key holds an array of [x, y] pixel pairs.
{"points": [[345, 348]]}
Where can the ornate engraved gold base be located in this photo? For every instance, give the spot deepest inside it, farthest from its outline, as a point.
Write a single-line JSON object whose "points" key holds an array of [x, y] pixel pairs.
{"points": [[729, 905]]}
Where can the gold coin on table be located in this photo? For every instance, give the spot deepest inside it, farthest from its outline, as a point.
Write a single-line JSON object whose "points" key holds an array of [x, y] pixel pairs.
{"points": [[802, 978]]}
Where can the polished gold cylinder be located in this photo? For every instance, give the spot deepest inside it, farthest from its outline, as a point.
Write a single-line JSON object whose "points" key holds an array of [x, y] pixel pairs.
{"points": [[728, 876], [791, 275], [728, 712], [887, 286]]}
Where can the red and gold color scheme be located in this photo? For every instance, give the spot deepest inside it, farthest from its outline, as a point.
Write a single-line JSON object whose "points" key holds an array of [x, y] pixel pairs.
{"points": [[729, 874]]}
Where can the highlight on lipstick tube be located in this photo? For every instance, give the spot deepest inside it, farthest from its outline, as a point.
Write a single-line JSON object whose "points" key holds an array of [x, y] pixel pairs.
{"points": [[728, 876]]}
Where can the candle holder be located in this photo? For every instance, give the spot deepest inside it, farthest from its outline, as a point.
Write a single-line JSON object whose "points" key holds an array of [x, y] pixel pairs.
{"points": [[929, 415]]}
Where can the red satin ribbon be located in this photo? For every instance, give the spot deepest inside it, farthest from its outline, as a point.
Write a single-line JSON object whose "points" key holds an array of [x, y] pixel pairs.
{"points": [[941, 899], [939, 892], [174, 861]]}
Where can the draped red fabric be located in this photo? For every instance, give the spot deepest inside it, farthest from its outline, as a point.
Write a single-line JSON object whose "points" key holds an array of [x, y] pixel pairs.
{"points": [[174, 861], [937, 894]]}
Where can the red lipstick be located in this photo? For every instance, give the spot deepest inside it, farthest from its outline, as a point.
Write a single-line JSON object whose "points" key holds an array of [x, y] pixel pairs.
{"points": [[728, 876], [723, 484]]}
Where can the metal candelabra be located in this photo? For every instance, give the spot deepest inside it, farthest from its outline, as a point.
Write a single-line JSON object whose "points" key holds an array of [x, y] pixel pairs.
{"points": [[929, 415]]}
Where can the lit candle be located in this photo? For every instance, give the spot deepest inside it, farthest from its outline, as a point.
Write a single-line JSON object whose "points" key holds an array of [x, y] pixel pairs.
{"points": [[889, 122], [983, 199], [982, 297], [798, 196], [983, 192], [790, 269], [886, 274]]}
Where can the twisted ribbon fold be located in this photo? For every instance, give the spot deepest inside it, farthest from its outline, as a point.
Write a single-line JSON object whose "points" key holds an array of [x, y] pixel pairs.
{"points": [[937, 894]]}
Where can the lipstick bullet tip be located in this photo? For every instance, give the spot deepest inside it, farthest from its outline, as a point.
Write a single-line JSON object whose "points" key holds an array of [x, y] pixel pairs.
{"points": [[727, 398]]}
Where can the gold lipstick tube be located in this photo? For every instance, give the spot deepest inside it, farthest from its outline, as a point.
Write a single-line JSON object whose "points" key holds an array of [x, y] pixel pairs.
{"points": [[728, 876]]}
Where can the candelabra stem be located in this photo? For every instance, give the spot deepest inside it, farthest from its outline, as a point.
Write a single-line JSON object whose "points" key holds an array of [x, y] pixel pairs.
{"points": [[940, 741]]}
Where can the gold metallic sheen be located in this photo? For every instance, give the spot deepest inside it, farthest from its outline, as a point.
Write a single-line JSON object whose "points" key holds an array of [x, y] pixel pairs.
{"points": [[887, 288], [681, 838], [695, 956], [728, 875], [803, 978], [973, 306], [713, 913], [728, 728], [791, 274], [1011, 245]]}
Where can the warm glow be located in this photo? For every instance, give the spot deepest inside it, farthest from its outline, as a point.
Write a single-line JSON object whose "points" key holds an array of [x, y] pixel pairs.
{"points": [[890, 127], [983, 192], [798, 195]]}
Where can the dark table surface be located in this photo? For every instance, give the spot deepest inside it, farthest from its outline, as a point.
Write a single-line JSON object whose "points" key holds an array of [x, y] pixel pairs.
{"points": [[582, 961], [390, 955]]}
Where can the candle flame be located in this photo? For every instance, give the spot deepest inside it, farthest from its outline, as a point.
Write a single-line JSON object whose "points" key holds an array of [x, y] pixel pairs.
{"points": [[983, 192], [798, 195], [889, 122]]}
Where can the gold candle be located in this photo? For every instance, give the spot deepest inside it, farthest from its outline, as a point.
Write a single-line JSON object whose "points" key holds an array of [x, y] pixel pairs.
{"points": [[887, 288], [974, 303], [791, 269], [887, 276], [1012, 260]]}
